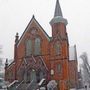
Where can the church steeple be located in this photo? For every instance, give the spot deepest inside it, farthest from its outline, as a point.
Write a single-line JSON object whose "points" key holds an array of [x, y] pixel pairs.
{"points": [[58, 16], [58, 11], [58, 23]]}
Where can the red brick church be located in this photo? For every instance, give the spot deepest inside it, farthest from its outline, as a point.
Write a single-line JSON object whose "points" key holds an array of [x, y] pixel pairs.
{"points": [[41, 61]]}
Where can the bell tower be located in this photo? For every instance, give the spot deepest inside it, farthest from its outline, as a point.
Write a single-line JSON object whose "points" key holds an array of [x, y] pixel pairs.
{"points": [[59, 49], [59, 32]]}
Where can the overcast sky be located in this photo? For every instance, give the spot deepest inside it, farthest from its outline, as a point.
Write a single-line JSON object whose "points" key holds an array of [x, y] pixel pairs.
{"points": [[16, 14]]}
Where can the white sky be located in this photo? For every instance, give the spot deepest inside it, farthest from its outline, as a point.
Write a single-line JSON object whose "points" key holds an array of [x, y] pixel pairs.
{"points": [[16, 14]]}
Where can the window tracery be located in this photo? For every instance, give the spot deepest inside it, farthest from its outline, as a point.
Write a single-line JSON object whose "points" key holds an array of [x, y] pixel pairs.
{"points": [[37, 46]]}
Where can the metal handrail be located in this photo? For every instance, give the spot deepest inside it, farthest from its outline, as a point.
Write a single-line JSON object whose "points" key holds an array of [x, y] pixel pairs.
{"points": [[30, 84], [19, 84]]}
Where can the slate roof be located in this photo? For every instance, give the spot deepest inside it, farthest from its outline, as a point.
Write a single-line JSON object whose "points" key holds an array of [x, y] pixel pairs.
{"points": [[58, 11]]}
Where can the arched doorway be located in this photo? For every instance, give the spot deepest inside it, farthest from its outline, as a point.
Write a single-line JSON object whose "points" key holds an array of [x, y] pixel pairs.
{"points": [[40, 75], [52, 85]]}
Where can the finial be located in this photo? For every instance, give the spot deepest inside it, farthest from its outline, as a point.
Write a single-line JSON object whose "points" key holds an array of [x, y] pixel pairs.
{"points": [[33, 16], [17, 37], [17, 34], [6, 63]]}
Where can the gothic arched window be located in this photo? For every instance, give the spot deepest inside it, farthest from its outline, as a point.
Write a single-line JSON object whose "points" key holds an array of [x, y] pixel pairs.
{"points": [[28, 76], [28, 47], [59, 68], [57, 48], [37, 47], [33, 76], [40, 75]]}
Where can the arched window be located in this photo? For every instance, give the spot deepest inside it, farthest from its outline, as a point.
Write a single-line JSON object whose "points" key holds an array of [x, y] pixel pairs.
{"points": [[28, 76], [37, 48], [59, 68], [33, 76], [28, 47], [40, 75], [57, 48]]}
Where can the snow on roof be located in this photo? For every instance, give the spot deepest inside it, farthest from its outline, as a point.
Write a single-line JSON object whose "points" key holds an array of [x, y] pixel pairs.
{"points": [[15, 81], [72, 53], [43, 62], [52, 83], [42, 80]]}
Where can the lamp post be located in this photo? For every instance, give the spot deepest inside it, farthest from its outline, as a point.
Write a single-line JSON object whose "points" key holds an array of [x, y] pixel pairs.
{"points": [[85, 87], [52, 73]]}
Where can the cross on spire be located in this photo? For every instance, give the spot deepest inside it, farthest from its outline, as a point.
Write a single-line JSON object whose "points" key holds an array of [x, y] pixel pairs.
{"points": [[58, 11]]}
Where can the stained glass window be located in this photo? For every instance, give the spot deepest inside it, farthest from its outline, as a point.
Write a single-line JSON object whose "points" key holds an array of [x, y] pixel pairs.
{"points": [[28, 47], [41, 75], [59, 68], [37, 48], [28, 76], [33, 75]]}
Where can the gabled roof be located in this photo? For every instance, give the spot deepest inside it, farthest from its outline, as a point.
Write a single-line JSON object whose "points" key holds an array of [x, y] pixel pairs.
{"points": [[15, 81], [27, 62], [27, 28]]}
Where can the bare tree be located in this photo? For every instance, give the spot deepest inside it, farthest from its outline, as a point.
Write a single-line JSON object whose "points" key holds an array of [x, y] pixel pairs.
{"points": [[1, 64], [0, 49], [85, 69], [0, 58]]}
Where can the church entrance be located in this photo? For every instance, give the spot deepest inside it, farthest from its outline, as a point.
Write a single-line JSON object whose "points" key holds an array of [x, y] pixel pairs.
{"points": [[52, 85]]}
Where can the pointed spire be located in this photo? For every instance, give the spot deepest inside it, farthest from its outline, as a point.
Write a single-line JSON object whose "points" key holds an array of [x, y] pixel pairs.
{"points": [[58, 11], [16, 37], [6, 63], [33, 16], [58, 16]]}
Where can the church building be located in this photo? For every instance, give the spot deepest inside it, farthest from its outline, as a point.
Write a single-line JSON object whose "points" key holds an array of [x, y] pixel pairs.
{"points": [[42, 62]]}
